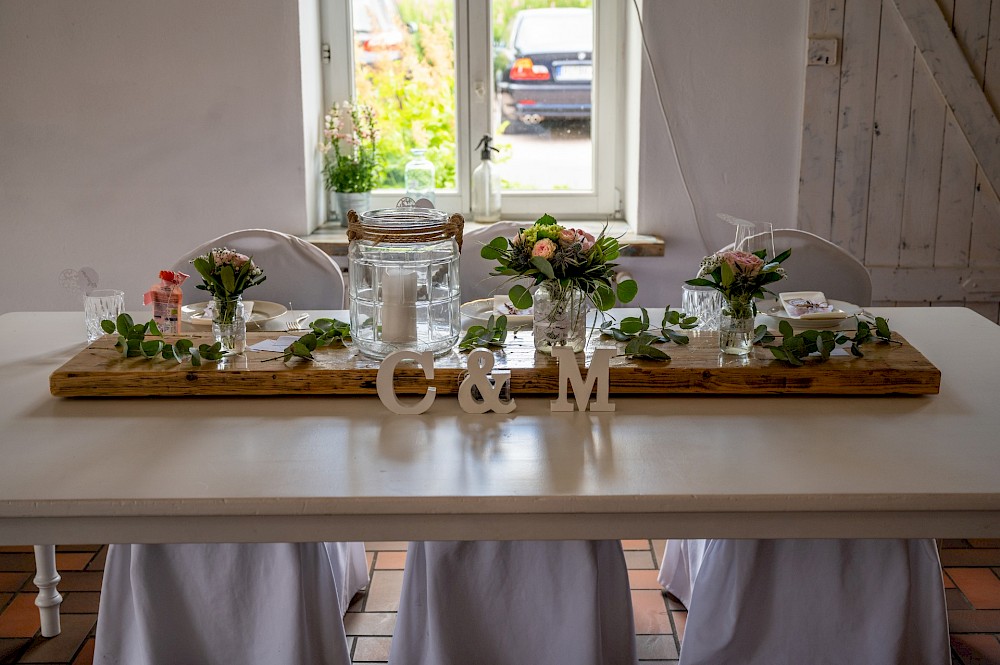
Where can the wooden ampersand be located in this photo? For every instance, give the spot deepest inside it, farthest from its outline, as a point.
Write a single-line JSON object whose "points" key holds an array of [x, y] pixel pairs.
{"points": [[480, 364]]}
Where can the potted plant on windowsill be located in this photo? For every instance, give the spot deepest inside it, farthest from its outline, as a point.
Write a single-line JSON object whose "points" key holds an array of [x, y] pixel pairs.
{"points": [[352, 165]]}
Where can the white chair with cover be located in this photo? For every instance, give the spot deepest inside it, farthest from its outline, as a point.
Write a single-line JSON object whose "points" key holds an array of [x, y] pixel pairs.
{"points": [[474, 271], [259, 603], [819, 601], [515, 602], [297, 271], [816, 264], [247, 603], [758, 602]]}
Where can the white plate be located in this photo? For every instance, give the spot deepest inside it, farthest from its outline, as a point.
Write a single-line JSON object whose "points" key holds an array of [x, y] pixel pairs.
{"points": [[262, 311], [841, 310], [480, 311]]}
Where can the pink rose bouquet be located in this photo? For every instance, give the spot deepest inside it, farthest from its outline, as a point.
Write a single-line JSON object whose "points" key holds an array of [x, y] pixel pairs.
{"points": [[567, 257], [740, 277], [227, 273]]}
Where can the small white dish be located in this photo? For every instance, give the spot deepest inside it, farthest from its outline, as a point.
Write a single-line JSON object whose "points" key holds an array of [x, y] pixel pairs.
{"points": [[841, 310], [262, 311], [481, 310]]}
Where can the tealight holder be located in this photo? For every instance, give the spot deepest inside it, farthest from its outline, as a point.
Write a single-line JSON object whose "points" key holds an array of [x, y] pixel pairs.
{"points": [[404, 280]]}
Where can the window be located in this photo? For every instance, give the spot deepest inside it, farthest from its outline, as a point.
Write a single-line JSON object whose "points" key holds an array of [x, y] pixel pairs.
{"points": [[543, 77]]}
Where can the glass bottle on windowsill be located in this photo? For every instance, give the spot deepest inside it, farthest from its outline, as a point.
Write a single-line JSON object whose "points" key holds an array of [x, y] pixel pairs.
{"points": [[486, 185], [419, 176]]}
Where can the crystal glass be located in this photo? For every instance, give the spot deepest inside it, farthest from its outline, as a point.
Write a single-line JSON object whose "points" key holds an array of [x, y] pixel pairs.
{"points": [[99, 305], [761, 237], [703, 302]]}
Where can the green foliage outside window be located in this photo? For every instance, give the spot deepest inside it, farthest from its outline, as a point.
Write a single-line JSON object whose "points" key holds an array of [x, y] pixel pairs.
{"points": [[414, 96]]}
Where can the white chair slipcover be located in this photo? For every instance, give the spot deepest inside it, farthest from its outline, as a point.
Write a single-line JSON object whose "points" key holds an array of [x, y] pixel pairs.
{"points": [[816, 264], [515, 602], [474, 271], [296, 270], [251, 604], [809, 601], [215, 604]]}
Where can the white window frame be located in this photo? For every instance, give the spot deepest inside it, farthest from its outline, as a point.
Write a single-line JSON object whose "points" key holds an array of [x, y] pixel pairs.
{"points": [[474, 86]]}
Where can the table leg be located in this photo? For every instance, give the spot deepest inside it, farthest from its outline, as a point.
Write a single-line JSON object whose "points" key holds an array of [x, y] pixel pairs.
{"points": [[48, 598]]}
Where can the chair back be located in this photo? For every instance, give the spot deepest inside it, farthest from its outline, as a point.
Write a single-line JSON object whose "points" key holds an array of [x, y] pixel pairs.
{"points": [[296, 271], [474, 271], [816, 264]]}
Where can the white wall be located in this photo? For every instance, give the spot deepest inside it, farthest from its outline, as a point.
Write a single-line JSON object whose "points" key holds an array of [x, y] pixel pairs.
{"points": [[732, 78], [132, 130]]}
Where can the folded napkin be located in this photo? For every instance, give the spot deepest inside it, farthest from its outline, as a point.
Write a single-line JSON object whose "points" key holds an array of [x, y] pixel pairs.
{"points": [[276, 345], [807, 305]]}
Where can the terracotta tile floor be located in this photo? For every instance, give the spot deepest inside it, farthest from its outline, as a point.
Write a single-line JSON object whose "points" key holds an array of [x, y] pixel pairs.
{"points": [[971, 576]]}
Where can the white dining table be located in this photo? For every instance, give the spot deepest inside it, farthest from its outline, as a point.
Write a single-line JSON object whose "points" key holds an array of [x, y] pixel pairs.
{"points": [[305, 468]]}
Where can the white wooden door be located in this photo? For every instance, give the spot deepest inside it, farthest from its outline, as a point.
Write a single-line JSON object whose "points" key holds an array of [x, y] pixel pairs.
{"points": [[901, 145]]}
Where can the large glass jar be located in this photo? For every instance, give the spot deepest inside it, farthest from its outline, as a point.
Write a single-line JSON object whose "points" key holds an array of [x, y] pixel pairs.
{"points": [[403, 266]]}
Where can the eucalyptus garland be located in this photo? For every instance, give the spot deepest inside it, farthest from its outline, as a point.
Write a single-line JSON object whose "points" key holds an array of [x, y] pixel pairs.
{"points": [[132, 342]]}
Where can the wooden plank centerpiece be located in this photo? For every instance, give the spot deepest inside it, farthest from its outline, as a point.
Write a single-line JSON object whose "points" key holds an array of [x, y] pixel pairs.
{"points": [[696, 368]]}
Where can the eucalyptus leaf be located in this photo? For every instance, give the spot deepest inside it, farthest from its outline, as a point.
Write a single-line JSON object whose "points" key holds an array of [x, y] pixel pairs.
{"points": [[493, 251], [632, 325], [151, 348], [627, 290], [123, 324], [882, 326], [675, 337], [543, 267], [520, 297], [603, 297]]}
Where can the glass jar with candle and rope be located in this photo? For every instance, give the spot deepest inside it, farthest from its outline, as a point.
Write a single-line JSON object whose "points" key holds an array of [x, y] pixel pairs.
{"points": [[403, 266]]}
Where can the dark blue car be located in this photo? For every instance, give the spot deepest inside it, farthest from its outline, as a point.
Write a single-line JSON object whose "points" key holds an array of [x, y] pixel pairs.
{"points": [[544, 65]]}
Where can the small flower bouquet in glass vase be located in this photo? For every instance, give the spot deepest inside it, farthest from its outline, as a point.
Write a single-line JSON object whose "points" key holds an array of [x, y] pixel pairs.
{"points": [[570, 268], [352, 166], [227, 274], [741, 277]]}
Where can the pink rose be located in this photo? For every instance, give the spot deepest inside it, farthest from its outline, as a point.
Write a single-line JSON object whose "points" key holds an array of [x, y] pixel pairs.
{"points": [[228, 256], [567, 237], [743, 263], [544, 248], [585, 239]]}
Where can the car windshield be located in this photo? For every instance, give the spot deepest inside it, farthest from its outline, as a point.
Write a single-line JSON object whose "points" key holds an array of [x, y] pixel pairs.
{"points": [[555, 32]]}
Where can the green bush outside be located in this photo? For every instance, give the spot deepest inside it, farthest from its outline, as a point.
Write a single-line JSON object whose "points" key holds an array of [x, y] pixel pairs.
{"points": [[414, 96]]}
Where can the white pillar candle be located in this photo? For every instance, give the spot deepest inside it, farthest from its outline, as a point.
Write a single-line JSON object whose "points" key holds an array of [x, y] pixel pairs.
{"points": [[399, 306]]}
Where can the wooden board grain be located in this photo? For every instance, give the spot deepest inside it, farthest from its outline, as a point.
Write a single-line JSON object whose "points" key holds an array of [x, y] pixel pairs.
{"points": [[697, 368]]}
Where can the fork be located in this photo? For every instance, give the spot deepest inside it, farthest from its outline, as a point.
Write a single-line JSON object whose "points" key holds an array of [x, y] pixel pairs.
{"points": [[292, 326]]}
